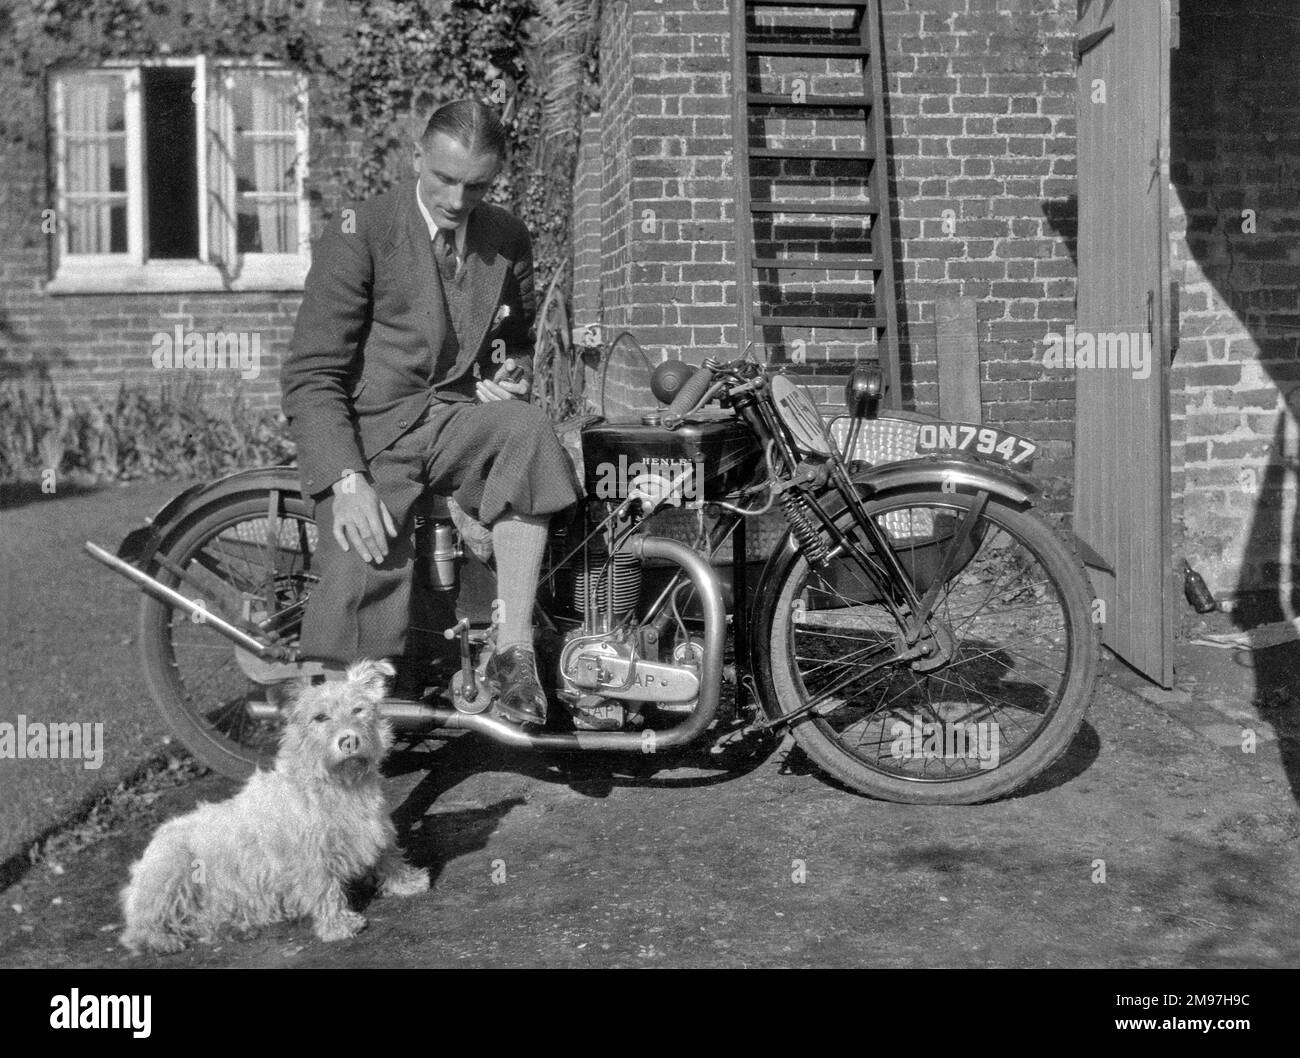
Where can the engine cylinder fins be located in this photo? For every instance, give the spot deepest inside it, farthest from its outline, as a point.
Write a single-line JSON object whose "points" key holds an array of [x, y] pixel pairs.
{"points": [[623, 576]]}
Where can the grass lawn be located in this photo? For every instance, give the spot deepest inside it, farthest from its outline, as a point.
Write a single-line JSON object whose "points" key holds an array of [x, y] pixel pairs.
{"points": [[68, 649]]}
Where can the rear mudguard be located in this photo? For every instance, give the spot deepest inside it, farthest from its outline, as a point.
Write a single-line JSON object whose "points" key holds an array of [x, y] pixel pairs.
{"points": [[913, 475], [139, 545]]}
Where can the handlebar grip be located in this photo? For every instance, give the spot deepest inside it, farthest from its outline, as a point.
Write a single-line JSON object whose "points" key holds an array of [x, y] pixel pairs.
{"points": [[692, 390]]}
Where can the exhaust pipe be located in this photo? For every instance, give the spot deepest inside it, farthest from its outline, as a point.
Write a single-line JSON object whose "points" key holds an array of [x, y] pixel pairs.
{"points": [[174, 598], [411, 716]]}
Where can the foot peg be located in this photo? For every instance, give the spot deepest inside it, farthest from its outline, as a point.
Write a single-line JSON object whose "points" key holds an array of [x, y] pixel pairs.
{"points": [[469, 694]]}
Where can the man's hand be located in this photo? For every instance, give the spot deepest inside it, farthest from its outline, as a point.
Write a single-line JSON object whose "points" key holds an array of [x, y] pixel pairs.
{"points": [[360, 518], [500, 388]]}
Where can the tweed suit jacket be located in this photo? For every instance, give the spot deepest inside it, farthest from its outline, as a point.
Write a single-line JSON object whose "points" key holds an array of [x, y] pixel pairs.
{"points": [[362, 362]]}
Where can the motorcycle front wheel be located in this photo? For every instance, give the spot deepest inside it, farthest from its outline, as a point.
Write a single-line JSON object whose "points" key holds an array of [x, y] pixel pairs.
{"points": [[1011, 666], [240, 561]]}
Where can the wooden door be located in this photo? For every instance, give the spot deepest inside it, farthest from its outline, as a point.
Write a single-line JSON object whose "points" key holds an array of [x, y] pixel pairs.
{"points": [[1121, 458]]}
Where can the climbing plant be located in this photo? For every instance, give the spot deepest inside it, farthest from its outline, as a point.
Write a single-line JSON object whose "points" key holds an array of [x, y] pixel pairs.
{"points": [[377, 68]]}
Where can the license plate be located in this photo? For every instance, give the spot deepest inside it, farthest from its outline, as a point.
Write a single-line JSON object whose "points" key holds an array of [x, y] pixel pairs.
{"points": [[985, 442]]}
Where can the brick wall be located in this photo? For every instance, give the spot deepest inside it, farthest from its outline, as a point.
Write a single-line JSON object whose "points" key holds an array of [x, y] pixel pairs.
{"points": [[1235, 146], [980, 121], [585, 308], [91, 343], [667, 273], [981, 101]]}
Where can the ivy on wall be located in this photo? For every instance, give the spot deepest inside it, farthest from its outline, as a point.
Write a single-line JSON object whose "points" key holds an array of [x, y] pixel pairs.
{"points": [[376, 68]]}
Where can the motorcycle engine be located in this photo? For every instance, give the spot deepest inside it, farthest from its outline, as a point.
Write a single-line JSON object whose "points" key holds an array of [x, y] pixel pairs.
{"points": [[609, 678], [609, 669]]}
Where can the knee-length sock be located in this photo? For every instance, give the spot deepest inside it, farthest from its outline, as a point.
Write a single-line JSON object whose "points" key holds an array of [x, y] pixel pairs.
{"points": [[519, 541]]}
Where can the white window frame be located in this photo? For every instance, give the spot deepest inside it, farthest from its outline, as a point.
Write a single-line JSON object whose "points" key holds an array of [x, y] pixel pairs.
{"points": [[133, 271]]}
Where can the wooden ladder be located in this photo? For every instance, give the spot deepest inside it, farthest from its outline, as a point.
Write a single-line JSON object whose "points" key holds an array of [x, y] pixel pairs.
{"points": [[852, 32]]}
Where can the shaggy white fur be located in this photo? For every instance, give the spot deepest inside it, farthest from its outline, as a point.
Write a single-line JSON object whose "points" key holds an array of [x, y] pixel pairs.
{"points": [[288, 842]]}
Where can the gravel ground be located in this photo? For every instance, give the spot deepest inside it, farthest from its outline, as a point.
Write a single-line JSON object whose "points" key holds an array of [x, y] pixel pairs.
{"points": [[1146, 846]]}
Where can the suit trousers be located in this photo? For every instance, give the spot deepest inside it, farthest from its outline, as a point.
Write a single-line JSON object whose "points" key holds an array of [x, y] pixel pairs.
{"points": [[495, 458]]}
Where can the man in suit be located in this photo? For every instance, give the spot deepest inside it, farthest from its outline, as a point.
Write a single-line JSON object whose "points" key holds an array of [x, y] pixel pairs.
{"points": [[418, 305]]}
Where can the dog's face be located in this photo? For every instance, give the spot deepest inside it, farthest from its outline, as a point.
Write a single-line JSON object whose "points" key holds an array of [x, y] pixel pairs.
{"points": [[335, 729]]}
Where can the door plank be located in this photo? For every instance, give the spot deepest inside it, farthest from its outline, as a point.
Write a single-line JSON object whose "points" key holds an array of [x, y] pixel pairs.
{"points": [[1122, 475]]}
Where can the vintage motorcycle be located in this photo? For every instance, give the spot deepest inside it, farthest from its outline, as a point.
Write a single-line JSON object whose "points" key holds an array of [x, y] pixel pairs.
{"points": [[919, 628]]}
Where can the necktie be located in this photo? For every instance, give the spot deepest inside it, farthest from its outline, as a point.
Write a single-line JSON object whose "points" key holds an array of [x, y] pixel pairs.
{"points": [[444, 250]]}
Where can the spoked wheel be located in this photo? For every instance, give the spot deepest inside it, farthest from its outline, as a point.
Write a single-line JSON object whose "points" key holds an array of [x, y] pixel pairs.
{"points": [[996, 691], [240, 562]]}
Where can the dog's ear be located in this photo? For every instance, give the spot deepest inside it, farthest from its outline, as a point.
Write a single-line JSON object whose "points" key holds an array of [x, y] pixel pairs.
{"points": [[371, 677], [291, 693]]}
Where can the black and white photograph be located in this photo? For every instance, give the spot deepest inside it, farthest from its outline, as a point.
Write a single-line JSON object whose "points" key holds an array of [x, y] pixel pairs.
{"points": [[651, 484]]}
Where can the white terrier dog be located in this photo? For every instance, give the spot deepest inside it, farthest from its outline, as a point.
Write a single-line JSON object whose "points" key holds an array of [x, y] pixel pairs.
{"points": [[286, 845]]}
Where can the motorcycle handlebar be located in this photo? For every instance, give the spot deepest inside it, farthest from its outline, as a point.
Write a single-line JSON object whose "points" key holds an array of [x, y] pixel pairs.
{"points": [[692, 390]]}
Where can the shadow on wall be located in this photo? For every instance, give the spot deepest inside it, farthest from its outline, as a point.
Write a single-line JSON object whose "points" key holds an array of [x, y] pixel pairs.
{"points": [[17, 365], [1235, 105], [1062, 216]]}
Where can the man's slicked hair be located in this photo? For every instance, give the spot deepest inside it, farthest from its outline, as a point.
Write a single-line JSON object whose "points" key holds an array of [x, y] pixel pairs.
{"points": [[471, 124]]}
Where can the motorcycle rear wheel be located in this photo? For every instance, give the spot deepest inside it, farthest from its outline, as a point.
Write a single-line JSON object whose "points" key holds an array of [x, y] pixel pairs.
{"points": [[238, 567], [1020, 647]]}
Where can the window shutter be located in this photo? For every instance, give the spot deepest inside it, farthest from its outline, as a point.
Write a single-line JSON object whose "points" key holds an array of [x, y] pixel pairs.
{"points": [[221, 147]]}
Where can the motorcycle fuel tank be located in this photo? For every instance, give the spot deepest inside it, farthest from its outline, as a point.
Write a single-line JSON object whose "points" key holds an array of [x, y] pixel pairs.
{"points": [[719, 454]]}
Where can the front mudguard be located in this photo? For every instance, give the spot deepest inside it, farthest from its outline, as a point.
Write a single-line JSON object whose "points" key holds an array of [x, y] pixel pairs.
{"points": [[919, 475], [140, 545], [968, 475]]}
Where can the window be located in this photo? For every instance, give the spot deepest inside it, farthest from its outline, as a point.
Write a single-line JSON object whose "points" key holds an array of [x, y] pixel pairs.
{"points": [[183, 174]]}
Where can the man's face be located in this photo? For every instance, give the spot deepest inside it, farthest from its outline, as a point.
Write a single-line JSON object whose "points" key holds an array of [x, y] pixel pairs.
{"points": [[453, 180]]}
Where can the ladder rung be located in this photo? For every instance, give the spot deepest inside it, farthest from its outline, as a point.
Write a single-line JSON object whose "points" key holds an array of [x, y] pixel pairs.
{"points": [[866, 264], [809, 3], [768, 99], [836, 322], [861, 261], [824, 51], [829, 208], [825, 372], [800, 152]]}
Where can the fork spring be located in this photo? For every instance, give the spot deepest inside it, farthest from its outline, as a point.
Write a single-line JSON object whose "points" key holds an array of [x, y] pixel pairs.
{"points": [[810, 540]]}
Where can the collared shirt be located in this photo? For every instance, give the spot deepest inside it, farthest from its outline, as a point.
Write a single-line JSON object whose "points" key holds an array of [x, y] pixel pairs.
{"points": [[433, 228]]}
